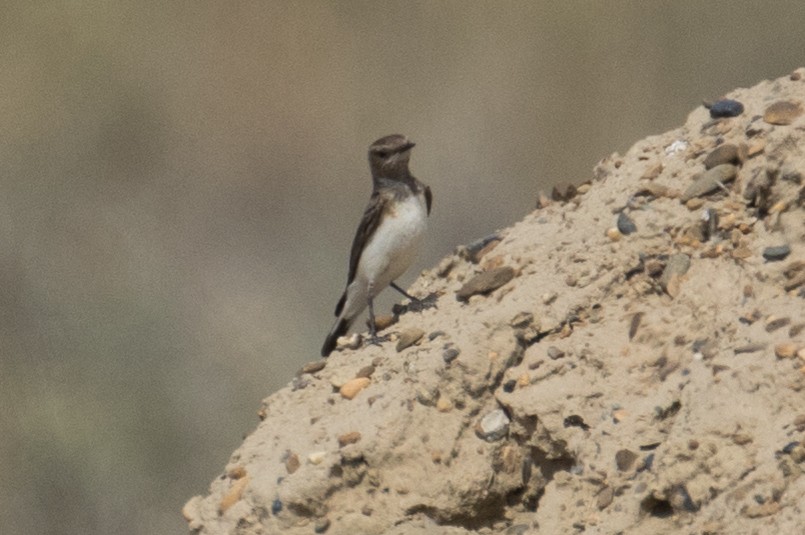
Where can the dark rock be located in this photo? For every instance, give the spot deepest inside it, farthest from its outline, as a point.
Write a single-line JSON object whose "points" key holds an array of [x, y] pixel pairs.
{"points": [[451, 354], [625, 224], [776, 253], [625, 459], [725, 108], [555, 353], [563, 192]]}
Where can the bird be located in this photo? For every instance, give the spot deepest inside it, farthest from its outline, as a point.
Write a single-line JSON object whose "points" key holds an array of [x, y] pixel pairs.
{"points": [[388, 237]]}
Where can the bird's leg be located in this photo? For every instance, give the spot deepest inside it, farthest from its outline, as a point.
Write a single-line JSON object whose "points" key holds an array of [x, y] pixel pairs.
{"points": [[416, 305], [373, 337]]}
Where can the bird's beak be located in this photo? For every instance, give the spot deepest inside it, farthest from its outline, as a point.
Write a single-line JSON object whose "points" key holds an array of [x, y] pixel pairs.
{"points": [[408, 146]]}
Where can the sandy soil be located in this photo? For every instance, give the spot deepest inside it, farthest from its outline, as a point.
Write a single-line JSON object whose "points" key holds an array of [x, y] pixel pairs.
{"points": [[589, 381]]}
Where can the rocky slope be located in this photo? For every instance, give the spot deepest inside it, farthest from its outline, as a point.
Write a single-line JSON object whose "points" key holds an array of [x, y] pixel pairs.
{"points": [[626, 359]]}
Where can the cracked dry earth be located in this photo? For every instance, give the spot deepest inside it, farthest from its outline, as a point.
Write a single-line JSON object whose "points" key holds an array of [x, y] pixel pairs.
{"points": [[626, 359]]}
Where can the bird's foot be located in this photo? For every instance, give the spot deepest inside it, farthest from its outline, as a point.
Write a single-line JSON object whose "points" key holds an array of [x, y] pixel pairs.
{"points": [[376, 340], [417, 305]]}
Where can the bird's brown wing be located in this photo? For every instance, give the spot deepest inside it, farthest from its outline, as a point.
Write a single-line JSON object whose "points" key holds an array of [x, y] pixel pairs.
{"points": [[369, 223]]}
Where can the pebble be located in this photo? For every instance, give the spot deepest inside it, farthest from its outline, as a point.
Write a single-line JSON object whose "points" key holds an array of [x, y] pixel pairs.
{"points": [[450, 354], [652, 172], [709, 223], [625, 224], [291, 462], [725, 108], [710, 181], [351, 388], [348, 438], [317, 457], [624, 460], [776, 253], [444, 405], [782, 112], [485, 282], [726, 153], [694, 204], [384, 321], [786, 350], [550, 297], [322, 525], [555, 353], [233, 495], [605, 498], [614, 234], [408, 338], [676, 266], [774, 323], [563, 192], [276, 506], [313, 367], [493, 426]]}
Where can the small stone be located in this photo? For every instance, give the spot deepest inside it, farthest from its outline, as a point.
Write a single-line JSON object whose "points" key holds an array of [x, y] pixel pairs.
{"points": [[276, 506], [384, 321], [236, 472], [710, 181], [583, 188], [755, 147], [605, 498], [652, 172], [366, 371], [321, 525], [726, 153], [563, 192], [435, 334], [408, 338], [776, 253], [523, 380], [555, 353], [549, 297], [233, 495], [675, 268], [493, 426], [651, 189], [291, 462], [624, 460], [445, 266], [313, 367], [782, 112], [317, 457], [348, 438], [619, 415], [774, 323], [351, 388], [444, 405], [485, 282], [614, 234], [758, 510], [450, 354], [741, 438], [625, 224], [694, 204], [725, 108], [785, 350]]}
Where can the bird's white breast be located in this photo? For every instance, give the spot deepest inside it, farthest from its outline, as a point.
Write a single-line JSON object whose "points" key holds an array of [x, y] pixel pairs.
{"points": [[395, 243]]}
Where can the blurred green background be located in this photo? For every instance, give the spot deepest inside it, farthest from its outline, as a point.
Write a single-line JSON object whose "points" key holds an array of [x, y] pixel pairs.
{"points": [[181, 182]]}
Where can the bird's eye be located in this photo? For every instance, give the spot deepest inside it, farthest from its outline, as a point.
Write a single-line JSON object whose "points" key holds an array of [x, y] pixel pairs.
{"points": [[383, 154]]}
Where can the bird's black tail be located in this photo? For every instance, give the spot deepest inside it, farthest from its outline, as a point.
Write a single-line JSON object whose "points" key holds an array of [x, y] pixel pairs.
{"points": [[339, 329]]}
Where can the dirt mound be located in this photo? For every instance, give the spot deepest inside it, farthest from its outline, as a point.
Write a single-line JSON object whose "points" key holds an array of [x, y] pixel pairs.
{"points": [[629, 359]]}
